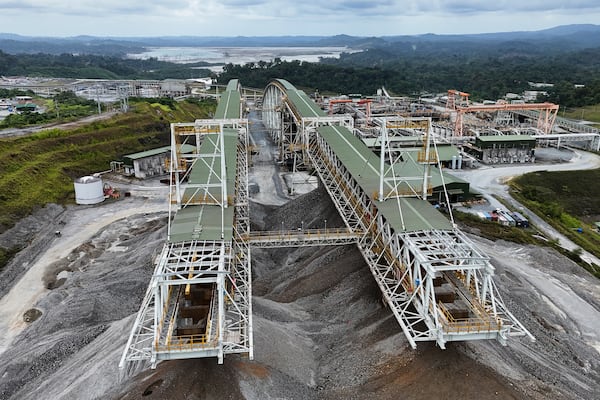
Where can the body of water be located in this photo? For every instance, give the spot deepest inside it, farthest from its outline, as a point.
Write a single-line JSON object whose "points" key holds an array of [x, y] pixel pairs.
{"points": [[239, 55]]}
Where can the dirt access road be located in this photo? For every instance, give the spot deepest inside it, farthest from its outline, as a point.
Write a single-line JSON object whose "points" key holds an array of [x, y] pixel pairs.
{"points": [[80, 224], [17, 132], [492, 181]]}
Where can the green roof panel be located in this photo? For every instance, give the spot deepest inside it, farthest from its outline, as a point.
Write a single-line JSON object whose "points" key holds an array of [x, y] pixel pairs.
{"points": [[185, 148], [203, 222], [303, 104], [363, 165]]}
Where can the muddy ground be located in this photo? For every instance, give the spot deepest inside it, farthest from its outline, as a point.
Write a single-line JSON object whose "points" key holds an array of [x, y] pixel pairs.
{"points": [[321, 329]]}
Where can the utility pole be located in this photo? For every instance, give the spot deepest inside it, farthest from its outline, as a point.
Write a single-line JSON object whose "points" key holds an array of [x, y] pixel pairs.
{"points": [[98, 99]]}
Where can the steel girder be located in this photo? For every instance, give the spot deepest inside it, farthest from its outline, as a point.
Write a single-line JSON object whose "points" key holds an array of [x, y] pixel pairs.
{"points": [[226, 265], [272, 115], [407, 266], [239, 325]]}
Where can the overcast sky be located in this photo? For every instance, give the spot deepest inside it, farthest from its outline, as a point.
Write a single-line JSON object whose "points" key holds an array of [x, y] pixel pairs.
{"points": [[287, 17]]}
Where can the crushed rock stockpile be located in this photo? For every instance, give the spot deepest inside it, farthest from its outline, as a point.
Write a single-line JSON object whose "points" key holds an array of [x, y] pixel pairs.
{"points": [[321, 330], [70, 351], [33, 233]]}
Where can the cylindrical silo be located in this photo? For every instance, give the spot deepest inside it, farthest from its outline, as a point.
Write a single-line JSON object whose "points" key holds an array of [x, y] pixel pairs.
{"points": [[89, 190]]}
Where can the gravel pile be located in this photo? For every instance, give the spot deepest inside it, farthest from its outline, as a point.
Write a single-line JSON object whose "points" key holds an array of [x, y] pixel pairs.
{"points": [[321, 329], [105, 284], [34, 232]]}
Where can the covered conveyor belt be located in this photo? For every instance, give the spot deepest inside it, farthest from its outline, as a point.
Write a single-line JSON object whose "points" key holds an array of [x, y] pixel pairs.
{"points": [[436, 282], [198, 300]]}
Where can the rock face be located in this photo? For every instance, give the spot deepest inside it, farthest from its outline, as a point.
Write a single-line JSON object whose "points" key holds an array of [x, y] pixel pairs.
{"points": [[321, 330]]}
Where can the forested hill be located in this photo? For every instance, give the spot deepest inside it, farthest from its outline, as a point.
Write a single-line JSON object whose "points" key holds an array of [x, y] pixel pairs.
{"points": [[558, 39], [88, 66], [488, 65], [485, 77]]}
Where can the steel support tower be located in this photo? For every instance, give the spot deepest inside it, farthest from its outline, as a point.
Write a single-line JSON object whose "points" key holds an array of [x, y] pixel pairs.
{"points": [[437, 283], [198, 302]]}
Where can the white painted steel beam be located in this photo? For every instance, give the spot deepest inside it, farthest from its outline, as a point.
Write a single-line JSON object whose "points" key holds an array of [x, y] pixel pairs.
{"points": [[409, 267], [224, 264]]}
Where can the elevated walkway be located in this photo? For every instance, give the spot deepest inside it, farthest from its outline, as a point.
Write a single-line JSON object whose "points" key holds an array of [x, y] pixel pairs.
{"points": [[302, 238]]}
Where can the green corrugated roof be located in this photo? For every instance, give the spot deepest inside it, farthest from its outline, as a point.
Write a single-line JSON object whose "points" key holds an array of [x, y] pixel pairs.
{"points": [[445, 152], [200, 173], [233, 85], [229, 106], [185, 148], [410, 167], [203, 222], [27, 105], [363, 165], [374, 142], [506, 138], [301, 102]]}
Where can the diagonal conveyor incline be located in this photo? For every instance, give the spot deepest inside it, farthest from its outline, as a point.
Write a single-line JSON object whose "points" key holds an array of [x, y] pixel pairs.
{"points": [[198, 303], [198, 300], [437, 283]]}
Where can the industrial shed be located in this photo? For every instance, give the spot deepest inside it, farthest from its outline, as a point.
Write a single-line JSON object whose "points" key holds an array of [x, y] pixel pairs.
{"points": [[503, 149], [458, 189], [448, 154], [150, 163]]}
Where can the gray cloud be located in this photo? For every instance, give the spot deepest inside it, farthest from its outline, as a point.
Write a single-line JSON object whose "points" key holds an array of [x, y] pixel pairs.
{"points": [[268, 17], [91, 7], [459, 6], [306, 8]]}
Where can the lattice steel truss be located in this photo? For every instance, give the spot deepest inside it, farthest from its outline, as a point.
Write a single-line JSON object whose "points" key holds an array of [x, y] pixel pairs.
{"points": [[407, 266], [223, 265], [195, 133], [289, 128], [420, 273]]}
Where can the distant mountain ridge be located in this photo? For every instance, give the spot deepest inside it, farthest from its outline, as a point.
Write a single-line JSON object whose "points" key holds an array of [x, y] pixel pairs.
{"points": [[563, 37]]}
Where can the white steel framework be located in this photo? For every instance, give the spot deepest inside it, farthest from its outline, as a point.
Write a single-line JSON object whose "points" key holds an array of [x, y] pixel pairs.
{"points": [[219, 270], [303, 238], [287, 125], [437, 284]]}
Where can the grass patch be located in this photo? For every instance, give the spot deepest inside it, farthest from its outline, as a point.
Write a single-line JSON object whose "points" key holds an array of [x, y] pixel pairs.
{"points": [[163, 107], [40, 168], [567, 200], [589, 113]]}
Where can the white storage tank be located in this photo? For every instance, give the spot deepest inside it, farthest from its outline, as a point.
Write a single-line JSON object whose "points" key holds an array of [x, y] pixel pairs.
{"points": [[89, 190]]}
